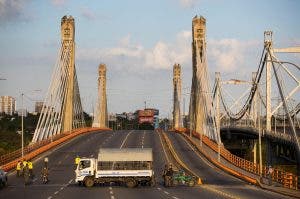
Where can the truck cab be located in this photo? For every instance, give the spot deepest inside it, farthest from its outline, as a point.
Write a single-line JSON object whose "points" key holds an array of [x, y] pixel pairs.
{"points": [[86, 167]]}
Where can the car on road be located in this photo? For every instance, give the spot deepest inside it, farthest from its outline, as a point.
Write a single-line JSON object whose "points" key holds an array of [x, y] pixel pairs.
{"points": [[3, 178]]}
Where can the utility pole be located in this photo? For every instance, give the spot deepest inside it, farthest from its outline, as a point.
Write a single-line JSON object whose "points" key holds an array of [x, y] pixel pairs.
{"points": [[217, 74], [22, 125], [259, 138]]}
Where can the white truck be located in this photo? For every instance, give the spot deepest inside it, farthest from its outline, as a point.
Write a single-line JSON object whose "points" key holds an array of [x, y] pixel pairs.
{"points": [[129, 166]]}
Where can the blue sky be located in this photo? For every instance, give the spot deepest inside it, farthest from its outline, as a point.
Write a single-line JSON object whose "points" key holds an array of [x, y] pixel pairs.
{"points": [[139, 41]]}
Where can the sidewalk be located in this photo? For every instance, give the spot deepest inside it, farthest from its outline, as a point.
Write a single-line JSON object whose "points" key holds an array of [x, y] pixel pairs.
{"points": [[275, 187]]}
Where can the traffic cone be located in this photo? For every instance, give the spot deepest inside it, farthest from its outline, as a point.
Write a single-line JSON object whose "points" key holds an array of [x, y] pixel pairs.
{"points": [[199, 181]]}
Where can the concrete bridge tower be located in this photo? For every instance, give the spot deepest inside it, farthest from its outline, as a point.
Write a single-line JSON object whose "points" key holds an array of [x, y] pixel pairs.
{"points": [[68, 48], [176, 96], [101, 117], [201, 112]]}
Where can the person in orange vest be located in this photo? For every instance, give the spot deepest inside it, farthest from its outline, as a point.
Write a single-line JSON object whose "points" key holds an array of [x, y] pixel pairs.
{"points": [[18, 168]]}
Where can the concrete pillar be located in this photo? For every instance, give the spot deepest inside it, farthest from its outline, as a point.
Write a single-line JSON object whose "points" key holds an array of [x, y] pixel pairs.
{"points": [[268, 44], [176, 96], [255, 151], [101, 117], [68, 37], [199, 60]]}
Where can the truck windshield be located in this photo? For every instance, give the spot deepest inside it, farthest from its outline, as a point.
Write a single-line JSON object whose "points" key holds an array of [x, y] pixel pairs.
{"points": [[84, 164]]}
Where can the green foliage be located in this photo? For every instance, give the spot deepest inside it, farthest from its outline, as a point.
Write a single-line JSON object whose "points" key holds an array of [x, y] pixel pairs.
{"points": [[10, 131]]}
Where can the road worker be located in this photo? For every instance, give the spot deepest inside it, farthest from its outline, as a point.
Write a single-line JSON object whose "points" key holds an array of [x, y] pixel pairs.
{"points": [[24, 163], [77, 160], [26, 175], [18, 168], [168, 175], [30, 167], [44, 174], [46, 160]]}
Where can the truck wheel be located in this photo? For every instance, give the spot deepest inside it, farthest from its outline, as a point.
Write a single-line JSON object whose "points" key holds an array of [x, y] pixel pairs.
{"points": [[89, 182], [130, 183], [152, 182]]}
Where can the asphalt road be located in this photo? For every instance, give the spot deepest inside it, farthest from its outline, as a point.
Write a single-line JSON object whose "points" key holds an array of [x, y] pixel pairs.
{"points": [[212, 176], [62, 185]]}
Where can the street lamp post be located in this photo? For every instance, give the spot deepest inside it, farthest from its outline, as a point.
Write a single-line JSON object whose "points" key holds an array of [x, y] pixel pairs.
{"points": [[22, 126], [22, 121]]}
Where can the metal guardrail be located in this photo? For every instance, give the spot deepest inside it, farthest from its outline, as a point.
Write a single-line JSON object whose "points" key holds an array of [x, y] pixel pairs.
{"points": [[275, 134], [10, 160], [287, 179]]}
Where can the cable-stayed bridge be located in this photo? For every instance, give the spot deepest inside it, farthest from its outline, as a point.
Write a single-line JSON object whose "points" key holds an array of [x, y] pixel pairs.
{"points": [[198, 148]]}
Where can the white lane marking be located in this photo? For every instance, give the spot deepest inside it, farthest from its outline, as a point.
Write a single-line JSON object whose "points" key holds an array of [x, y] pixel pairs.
{"points": [[159, 188], [70, 181], [125, 139], [175, 197], [111, 192], [50, 197], [61, 188], [56, 192], [166, 192], [112, 197], [110, 188]]}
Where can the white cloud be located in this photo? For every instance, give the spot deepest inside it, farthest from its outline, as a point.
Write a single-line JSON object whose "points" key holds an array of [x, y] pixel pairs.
{"points": [[135, 57], [227, 55], [10, 9], [58, 3], [87, 13], [188, 3]]}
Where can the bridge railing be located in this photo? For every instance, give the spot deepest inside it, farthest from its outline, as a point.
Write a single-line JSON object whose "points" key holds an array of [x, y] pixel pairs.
{"points": [[276, 134], [4, 159], [288, 180]]}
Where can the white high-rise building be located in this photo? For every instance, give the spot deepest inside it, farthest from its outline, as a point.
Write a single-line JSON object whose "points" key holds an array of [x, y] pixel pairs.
{"points": [[7, 105]]}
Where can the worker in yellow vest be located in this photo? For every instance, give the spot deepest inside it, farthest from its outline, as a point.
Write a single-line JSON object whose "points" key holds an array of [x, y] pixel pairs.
{"points": [[77, 160], [24, 163], [18, 168], [30, 167]]}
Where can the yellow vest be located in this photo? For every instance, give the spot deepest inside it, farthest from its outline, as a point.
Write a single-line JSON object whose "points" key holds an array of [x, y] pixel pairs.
{"points": [[30, 165], [24, 163], [19, 166], [77, 160]]}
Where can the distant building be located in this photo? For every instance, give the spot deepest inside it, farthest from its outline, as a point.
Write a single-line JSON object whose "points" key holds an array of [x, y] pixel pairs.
{"points": [[38, 107], [7, 105]]}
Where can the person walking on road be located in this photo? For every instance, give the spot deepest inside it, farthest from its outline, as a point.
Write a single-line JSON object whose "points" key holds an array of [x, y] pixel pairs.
{"points": [[270, 173], [44, 174], [24, 163], [26, 175], [18, 169], [30, 167]]}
